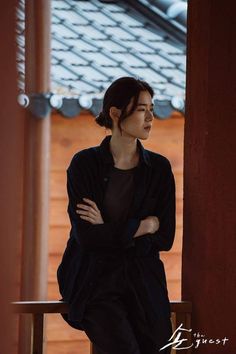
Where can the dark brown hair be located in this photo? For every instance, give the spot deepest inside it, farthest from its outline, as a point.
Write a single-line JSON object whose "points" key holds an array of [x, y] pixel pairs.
{"points": [[119, 95]]}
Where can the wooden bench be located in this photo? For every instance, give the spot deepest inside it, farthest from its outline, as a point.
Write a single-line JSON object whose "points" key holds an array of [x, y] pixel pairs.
{"points": [[181, 313]]}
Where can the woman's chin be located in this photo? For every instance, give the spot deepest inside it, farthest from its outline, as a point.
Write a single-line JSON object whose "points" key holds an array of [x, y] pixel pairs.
{"points": [[144, 135]]}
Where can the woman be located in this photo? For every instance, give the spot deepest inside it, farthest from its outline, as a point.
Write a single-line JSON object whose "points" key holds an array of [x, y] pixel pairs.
{"points": [[122, 213]]}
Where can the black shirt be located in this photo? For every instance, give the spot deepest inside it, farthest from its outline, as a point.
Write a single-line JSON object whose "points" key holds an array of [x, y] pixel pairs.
{"points": [[119, 194], [87, 176]]}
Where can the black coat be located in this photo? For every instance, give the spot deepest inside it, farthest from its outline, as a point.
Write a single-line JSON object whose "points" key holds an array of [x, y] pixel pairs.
{"points": [[87, 176]]}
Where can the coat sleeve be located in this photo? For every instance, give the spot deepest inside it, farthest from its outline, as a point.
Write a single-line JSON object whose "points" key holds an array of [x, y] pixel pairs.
{"points": [[163, 238], [92, 237]]}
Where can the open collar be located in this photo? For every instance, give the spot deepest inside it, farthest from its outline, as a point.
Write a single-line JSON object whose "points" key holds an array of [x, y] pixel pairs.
{"points": [[108, 158]]}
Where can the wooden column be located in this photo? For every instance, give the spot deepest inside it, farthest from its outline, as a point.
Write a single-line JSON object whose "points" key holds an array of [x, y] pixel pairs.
{"points": [[209, 239], [37, 162], [11, 157]]}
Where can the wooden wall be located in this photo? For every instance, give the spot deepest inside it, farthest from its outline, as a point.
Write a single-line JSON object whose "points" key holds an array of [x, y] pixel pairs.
{"points": [[68, 137]]}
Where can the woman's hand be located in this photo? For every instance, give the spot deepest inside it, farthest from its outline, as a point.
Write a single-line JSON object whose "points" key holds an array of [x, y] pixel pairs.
{"points": [[149, 225], [89, 212], [153, 224]]}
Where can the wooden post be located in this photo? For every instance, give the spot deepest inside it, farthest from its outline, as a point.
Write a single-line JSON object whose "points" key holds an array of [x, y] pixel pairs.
{"points": [[38, 333], [36, 166], [209, 223], [11, 157]]}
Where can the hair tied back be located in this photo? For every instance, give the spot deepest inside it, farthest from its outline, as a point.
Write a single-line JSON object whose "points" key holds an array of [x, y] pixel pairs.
{"points": [[100, 119]]}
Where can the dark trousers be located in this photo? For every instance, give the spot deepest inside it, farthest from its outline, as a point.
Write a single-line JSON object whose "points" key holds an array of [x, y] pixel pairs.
{"points": [[115, 321]]}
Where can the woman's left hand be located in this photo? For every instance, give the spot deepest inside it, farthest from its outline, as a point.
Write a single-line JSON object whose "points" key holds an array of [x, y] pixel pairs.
{"points": [[89, 212]]}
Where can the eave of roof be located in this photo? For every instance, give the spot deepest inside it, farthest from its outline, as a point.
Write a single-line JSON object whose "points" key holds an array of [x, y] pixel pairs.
{"points": [[94, 43]]}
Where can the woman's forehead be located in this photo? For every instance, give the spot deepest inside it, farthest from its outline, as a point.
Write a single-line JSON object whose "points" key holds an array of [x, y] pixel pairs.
{"points": [[145, 98]]}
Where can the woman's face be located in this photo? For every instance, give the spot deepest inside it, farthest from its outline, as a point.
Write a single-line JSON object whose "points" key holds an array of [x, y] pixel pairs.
{"points": [[138, 124]]}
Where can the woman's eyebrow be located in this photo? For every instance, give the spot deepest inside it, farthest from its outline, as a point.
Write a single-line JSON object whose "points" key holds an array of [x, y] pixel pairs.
{"points": [[144, 104]]}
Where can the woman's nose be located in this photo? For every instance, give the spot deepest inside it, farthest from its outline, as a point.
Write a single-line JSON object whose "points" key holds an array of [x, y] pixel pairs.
{"points": [[149, 115]]}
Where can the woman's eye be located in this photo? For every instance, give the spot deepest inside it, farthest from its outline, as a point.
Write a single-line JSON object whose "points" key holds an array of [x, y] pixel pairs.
{"points": [[144, 110]]}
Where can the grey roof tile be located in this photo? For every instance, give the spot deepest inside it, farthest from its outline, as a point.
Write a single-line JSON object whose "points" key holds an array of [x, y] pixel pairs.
{"points": [[94, 43]]}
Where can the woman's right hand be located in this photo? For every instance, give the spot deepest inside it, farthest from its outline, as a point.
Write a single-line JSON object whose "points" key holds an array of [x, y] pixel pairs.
{"points": [[153, 224], [89, 212]]}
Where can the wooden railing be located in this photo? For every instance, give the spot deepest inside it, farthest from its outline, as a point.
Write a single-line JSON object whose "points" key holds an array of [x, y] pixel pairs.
{"points": [[181, 313]]}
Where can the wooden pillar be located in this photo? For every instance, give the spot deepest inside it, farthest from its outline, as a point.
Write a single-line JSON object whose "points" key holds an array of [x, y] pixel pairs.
{"points": [[209, 238], [37, 162], [11, 157]]}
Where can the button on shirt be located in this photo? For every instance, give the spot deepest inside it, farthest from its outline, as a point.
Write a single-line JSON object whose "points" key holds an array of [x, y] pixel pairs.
{"points": [[88, 176]]}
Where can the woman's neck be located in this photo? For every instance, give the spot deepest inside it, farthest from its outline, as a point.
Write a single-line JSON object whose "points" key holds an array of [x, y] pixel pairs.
{"points": [[124, 151]]}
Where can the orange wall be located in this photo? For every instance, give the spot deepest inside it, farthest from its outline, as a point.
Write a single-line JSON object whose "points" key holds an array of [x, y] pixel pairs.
{"points": [[68, 137]]}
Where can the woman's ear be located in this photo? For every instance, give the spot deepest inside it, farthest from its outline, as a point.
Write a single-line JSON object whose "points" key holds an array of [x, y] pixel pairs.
{"points": [[114, 113]]}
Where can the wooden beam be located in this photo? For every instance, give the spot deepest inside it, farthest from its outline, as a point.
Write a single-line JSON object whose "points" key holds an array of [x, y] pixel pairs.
{"points": [[39, 307], [62, 306]]}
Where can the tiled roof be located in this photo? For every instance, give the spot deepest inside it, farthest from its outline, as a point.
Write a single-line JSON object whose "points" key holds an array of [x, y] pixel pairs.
{"points": [[94, 42]]}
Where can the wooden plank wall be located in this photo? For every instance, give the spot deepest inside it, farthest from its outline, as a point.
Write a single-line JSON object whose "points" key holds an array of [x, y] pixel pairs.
{"points": [[68, 137]]}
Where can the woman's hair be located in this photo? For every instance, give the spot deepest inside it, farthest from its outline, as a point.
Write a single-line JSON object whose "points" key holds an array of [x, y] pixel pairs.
{"points": [[119, 95]]}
